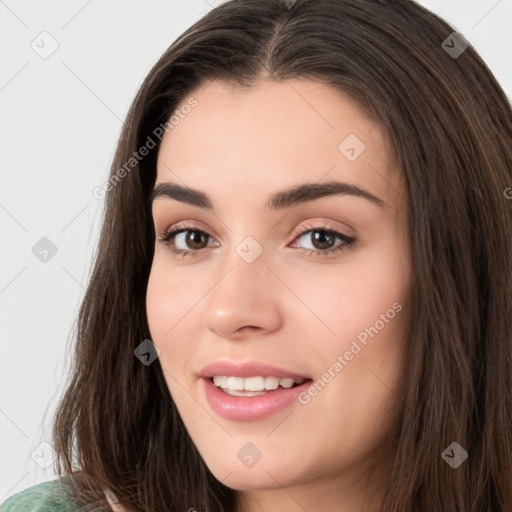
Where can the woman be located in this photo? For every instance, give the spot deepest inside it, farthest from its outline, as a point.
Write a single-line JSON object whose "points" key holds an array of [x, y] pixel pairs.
{"points": [[302, 292]]}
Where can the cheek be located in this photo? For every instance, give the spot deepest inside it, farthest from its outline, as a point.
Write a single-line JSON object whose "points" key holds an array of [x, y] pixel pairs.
{"points": [[353, 296], [170, 307], [170, 314], [362, 342], [170, 299], [157, 306]]}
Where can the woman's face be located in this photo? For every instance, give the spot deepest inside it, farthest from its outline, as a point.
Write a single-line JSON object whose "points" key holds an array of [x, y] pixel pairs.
{"points": [[253, 290]]}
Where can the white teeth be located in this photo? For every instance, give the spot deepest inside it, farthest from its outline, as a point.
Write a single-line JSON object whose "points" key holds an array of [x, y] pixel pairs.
{"points": [[220, 381], [235, 383], [271, 382], [233, 392], [286, 383], [253, 384]]}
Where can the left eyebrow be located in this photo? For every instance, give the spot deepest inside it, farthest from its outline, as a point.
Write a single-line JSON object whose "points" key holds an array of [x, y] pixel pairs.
{"points": [[278, 201]]}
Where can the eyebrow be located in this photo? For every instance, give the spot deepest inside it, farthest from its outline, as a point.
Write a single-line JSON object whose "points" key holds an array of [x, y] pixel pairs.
{"points": [[278, 201]]}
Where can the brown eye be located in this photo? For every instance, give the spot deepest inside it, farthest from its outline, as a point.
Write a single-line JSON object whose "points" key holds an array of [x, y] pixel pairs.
{"points": [[195, 239], [183, 240], [322, 240]]}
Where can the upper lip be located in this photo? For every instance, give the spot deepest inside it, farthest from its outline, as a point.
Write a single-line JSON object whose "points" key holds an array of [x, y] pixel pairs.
{"points": [[247, 369]]}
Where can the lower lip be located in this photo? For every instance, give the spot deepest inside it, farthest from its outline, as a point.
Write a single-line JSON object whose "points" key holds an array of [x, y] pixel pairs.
{"points": [[250, 408]]}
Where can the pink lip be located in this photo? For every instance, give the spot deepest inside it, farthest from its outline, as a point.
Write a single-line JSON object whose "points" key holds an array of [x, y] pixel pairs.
{"points": [[247, 369], [250, 408]]}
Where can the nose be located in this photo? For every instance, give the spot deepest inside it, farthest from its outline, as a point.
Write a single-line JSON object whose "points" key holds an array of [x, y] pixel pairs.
{"points": [[245, 300]]}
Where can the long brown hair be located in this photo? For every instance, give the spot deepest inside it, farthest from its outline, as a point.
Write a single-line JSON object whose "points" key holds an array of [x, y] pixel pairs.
{"points": [[450, 124]]}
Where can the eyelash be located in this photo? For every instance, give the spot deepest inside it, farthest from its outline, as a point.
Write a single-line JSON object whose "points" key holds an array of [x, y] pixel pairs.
{"points": [[171, 233]]}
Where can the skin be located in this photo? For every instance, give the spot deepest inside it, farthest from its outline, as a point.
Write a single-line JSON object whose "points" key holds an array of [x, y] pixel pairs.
{"points": [[288, 308]]}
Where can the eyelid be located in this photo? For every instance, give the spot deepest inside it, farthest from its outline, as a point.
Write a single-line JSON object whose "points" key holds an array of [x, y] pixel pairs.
{"points": [[194, 225], [301, 228], [319, 224]]}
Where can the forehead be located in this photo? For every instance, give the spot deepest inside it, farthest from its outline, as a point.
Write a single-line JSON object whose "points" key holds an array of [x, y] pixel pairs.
{"points": [[272, 136]]}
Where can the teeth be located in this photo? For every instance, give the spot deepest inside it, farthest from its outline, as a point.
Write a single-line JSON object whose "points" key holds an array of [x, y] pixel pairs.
{"points": [[244, 393], [236, 383], [286, 383], [254, 384], [271, 382]]}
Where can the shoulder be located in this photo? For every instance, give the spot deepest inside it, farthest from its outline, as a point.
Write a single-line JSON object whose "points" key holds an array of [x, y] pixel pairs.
{"points": [[50, 496]]}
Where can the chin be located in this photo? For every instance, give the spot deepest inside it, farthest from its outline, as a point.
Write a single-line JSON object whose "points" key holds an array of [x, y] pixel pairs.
{"points": [[259, 481], [264, 475]]}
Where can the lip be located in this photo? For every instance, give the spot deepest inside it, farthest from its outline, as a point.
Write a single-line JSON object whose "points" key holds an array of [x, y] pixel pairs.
{"points": [[248, 369], [250, 408]]}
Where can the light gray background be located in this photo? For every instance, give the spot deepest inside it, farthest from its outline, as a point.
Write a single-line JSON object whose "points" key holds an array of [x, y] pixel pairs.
{"points": [[61, 117]]}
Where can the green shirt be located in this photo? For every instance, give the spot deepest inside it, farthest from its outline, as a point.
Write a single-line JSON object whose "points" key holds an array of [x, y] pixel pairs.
{"points": [[45, 497]]}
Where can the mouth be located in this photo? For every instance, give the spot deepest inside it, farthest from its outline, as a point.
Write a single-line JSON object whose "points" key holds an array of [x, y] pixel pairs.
{"points": [[254, 386], [250, 390], [255, 403]]}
